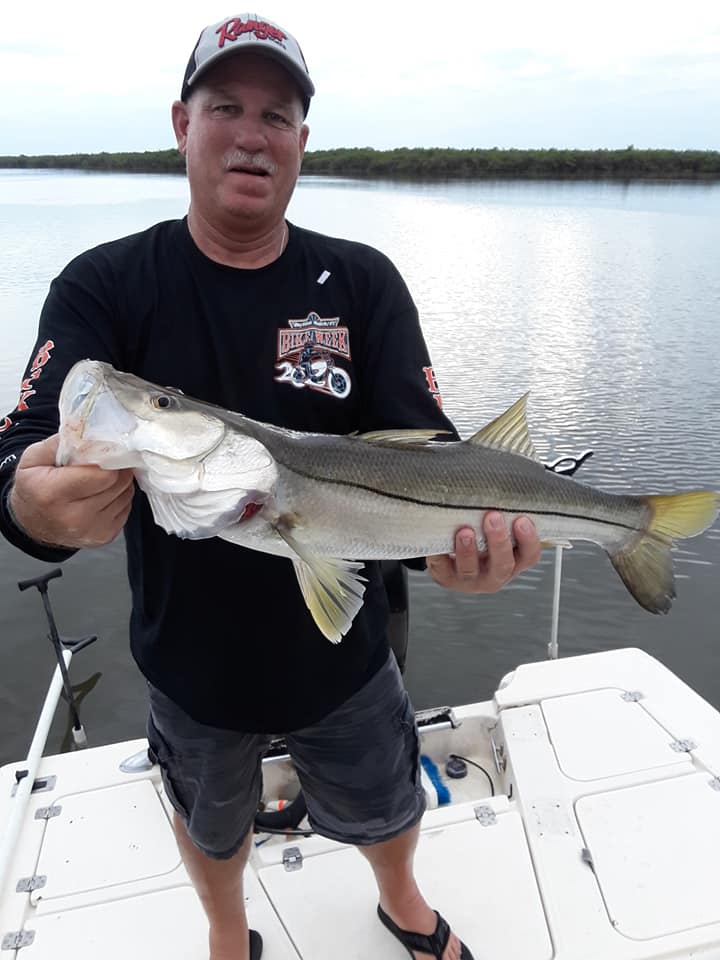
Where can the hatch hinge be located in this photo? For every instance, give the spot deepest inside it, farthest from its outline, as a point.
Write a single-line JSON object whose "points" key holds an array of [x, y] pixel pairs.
{"points": [[47, 813], [485, 815], [17, 939], [632, 696], [715, 783], [683, 746], [28, 884], [292, 858]]}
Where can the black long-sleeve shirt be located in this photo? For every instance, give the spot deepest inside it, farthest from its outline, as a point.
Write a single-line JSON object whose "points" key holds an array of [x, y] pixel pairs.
{"points": [[223, 630]]}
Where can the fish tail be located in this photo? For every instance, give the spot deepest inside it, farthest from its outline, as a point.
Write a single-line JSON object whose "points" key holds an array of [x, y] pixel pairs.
{"points": [[644, 563]]}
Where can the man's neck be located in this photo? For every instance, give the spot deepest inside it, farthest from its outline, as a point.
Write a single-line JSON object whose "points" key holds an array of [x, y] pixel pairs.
{"points": [[249, 251]]}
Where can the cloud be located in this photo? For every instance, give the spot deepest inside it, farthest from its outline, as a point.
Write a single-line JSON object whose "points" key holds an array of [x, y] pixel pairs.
{"points": [[520, 74]]}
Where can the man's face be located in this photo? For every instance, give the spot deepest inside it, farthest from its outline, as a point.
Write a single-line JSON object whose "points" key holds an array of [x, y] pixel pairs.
{"points": [[243, 137]]}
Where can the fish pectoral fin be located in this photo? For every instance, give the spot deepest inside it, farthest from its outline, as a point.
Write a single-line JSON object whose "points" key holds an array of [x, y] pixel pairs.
{"points": [[333, 592], [401, 437], [332, 589], [509, 432]]}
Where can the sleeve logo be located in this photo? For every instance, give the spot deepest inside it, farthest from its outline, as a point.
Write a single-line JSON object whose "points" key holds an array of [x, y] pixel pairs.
{"points": [[27, 388], [432, 385]]}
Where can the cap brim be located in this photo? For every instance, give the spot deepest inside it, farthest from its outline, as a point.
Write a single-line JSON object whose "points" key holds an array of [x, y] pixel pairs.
{"points": [[300, 77]]}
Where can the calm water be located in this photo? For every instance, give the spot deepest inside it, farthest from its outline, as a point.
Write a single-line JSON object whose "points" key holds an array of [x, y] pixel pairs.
{"points": [[602, 299]]}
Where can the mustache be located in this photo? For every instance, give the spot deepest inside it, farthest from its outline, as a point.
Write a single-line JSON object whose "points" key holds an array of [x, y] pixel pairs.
{"points": [[241, 158]]}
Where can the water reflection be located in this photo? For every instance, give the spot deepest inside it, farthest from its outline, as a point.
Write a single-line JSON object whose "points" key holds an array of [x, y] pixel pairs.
{"points": [[601, 299]]}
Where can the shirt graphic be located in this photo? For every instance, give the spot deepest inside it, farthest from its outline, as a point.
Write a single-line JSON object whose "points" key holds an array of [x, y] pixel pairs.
{"points": [[308, 353]]}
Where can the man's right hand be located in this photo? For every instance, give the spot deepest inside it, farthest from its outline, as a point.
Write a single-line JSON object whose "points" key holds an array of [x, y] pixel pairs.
{"points": [[69, 506]]}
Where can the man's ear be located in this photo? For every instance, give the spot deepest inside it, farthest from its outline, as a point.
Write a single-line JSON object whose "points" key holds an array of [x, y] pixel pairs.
{"points": [[180, 121], [304, 134]]}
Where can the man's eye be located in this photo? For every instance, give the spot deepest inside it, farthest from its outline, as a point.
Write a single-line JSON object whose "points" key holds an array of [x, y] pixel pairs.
{"points": [[276, 118], [225, 109]]}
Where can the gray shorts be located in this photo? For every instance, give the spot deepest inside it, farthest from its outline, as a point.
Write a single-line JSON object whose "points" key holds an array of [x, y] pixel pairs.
{"points": [[358, 768]]}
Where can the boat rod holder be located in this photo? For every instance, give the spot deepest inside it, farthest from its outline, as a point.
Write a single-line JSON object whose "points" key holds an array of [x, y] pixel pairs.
{"points": [[58, 642]]}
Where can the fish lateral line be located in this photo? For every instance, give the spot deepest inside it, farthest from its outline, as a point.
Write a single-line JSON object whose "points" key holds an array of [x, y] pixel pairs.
{"points": [[457, 506]]}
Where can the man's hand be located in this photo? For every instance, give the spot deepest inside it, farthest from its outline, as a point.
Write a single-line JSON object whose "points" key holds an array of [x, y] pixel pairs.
{"points": [[69, 506], [473, 572]]}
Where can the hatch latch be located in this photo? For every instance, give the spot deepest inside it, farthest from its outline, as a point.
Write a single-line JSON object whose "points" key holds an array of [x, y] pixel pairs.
{"points": [[632, 696], [292, 859], [485, 815]]}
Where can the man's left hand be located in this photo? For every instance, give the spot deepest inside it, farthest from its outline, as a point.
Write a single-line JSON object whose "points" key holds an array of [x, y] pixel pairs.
{"points": [[472, 572]]}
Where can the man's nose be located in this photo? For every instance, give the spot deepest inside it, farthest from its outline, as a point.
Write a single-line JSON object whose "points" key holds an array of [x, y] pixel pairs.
{"points": [[250, 134]]}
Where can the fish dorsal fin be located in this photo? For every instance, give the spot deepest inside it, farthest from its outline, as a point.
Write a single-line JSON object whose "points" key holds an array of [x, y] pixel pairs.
{"points": [[509, 431], [402, 437]]}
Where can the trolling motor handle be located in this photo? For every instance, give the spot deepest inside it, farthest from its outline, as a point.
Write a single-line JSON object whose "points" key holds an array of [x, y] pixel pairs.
{"points": [[40, 582], [76, 644], [58, 643]]}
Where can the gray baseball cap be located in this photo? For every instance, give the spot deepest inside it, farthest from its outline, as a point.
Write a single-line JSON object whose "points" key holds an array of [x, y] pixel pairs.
{"points": [[250, 33]]}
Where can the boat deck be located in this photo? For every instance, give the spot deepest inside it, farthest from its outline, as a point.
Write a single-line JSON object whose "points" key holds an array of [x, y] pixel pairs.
{"points": [[601, 843]]}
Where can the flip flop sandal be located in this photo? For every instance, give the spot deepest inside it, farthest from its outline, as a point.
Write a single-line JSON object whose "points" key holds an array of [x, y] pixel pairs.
{"points": [[435, 944], [256, 945]]}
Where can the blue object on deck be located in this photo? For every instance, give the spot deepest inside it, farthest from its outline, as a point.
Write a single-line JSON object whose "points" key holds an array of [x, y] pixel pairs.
{"points": [[443, 794]]}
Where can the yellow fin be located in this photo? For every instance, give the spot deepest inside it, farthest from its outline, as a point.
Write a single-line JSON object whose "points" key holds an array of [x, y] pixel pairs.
{"points": [[679, 515], [645, 565], [332, 589], [509, 431], [402, 437]]}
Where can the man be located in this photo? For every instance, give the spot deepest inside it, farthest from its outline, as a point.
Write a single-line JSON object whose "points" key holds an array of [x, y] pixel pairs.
{"points": [[223, 304]]}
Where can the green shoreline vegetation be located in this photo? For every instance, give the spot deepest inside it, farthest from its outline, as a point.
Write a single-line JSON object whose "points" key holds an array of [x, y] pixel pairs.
{"points": [[429, 163]]}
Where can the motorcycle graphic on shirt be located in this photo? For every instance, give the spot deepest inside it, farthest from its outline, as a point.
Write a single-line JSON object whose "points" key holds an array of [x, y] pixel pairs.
{"points": [[308, 351]]}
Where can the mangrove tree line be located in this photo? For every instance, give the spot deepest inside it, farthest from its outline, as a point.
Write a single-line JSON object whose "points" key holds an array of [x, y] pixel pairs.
{"points": [[433, 162]]}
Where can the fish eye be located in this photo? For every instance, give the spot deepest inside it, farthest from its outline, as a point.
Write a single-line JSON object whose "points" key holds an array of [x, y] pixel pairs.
{"points": [[162, 402]]}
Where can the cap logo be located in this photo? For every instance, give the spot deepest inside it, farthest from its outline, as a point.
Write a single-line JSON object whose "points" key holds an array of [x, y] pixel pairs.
{"points": [[234, 28]]}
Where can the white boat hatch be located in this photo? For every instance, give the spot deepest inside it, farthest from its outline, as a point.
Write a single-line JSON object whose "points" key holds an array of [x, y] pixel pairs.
{"points": [[605, 733], [655, 849], [119, 929], [127, 822], [477, 873]]}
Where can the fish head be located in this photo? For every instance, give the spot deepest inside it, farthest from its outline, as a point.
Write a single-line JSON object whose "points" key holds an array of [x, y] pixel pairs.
{"points": [[117, 420]]}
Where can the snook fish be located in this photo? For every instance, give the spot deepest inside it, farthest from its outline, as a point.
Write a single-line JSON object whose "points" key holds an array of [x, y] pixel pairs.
{"points": [[328, 501]]}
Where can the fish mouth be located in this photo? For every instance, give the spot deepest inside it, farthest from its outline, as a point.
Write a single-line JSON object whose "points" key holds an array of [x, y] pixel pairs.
{"points": [[93, 423], [80, 387]]}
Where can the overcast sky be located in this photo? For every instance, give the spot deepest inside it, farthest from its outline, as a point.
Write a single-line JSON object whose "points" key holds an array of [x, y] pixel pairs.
{"points": [[83, 76]]}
